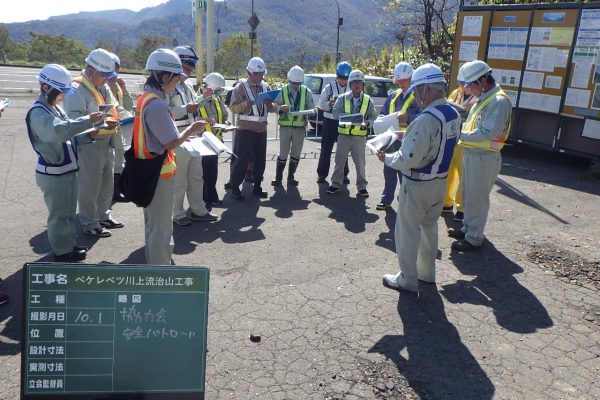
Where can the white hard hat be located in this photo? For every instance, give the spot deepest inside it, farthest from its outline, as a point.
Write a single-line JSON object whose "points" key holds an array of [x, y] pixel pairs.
{"points": [[402, 70], [356, 76], [57, 77], [116, 59], [102, 61], [427, 73], [187, 54], [475, 70], [165, 60], [295, 74], [461, 72], [256, 65], [215, 81]]}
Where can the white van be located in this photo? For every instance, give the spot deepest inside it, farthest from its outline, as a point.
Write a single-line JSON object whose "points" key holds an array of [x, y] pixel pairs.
{"points": [[376, 87]]}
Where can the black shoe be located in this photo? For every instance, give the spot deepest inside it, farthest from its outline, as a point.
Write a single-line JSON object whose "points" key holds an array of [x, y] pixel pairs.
{"points": [[333, 190], [292, 182], [236, 194], [119, 198], [321, 179], [363, 193], [227, 186], [4, 298], [111, 223], [447, 209], [216, 203], [276, 182], [258, 192], [346, 180], [463, 245], [381, 206], [76, 255], [456, 233], [459, 216]]}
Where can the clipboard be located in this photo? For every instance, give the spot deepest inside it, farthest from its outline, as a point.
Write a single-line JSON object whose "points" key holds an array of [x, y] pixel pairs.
{"points": [[264, 96]]}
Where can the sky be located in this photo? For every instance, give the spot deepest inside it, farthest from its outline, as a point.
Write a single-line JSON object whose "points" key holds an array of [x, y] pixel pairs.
{"points": [[27, 10]]}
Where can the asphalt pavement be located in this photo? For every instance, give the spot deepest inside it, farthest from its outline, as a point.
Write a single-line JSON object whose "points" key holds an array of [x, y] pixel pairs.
{"points": [[303, 270]]}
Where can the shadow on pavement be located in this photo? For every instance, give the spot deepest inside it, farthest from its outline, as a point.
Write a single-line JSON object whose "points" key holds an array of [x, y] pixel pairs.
{"points": [[515, 308], [351, 211], [287, 199], [387, 239], [430, 354]]}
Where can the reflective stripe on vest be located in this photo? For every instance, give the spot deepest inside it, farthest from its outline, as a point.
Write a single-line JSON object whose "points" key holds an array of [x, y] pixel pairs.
{"points": [[258, 111], [335, 93], [204, 114], [364, 106], [450, 128], [491, 145], [298, 120], [100, 102], [69, 163], [404, 108], [139, 139], [189, 118]]}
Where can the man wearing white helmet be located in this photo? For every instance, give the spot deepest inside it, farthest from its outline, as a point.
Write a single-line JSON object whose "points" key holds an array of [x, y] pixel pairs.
{"points": [[352, 138], [423, 159], [251, 137], [212, 108], [402, 101], [482, 137], [50, 132], [96, 157], [329, 132], [155, 137], [463, 99], [293, 97], [189, 179], [119, 91]]}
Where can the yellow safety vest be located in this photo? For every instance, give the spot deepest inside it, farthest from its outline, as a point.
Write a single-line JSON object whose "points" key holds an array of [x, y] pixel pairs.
{"points": [[491, 145], [285, 119], [140, 150], [204, 114], [355, 130], [405, 106], [101, 102]]}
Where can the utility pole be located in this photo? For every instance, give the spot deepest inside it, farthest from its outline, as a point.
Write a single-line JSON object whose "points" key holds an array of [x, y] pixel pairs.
{"points": [[210, 36], [253, 21], [199, 6], [340, 21]]}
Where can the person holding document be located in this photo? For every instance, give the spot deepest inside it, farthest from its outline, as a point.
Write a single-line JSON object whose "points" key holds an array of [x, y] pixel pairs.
{"points": [[189, 179], [402, 102], [51, 133], [294, 97], [352, 136], [251, 137], [423, 159]]}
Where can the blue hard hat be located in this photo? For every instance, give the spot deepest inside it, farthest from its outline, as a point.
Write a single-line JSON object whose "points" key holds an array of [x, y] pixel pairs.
{"points": [[343, 70]]}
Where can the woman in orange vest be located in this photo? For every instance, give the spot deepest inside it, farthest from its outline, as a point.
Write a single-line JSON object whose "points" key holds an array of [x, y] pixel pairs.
{"points": [[154, 134]]}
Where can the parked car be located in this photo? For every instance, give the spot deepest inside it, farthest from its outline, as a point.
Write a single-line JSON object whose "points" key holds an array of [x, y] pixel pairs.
{"points": [[376, 87]]}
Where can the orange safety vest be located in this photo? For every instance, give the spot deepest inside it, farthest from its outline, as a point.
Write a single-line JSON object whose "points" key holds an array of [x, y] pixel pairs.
{"points": [[139, 139], [491, 145], [101, 102]]}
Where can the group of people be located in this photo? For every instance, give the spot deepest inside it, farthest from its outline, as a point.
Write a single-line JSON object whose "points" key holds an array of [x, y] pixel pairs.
{"points": [[81, 150]]}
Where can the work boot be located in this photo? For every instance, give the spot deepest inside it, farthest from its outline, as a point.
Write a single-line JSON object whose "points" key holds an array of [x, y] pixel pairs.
{"points": [[118, 197], [279, 172], [291, 171], [258, 190]]}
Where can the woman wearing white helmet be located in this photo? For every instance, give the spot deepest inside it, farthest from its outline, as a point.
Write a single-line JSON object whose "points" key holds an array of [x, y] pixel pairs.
{"points": [[212, 108], [189, 181], [155, 136], [50, 132]]}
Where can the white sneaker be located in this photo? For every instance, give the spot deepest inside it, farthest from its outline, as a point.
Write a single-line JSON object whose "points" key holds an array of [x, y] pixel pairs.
{"points": [[397, 282]]}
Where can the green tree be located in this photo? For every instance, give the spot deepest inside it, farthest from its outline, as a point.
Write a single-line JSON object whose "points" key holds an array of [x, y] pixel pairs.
{"points": [[234, 53], [56, 49], [9, 50], [141, 51]]}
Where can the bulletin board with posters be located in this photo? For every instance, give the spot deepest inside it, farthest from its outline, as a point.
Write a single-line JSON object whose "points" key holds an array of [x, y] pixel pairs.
{"points": [[506, 49], [471, 40]]}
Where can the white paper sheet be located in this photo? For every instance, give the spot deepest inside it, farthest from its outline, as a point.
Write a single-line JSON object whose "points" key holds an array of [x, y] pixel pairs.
{"points": [[541, 58], [549, 103], [540, 35], [225, 127], [577, 98], [468, 50], [512, 95], [205, 145], [529, 100], [561, 58], [591, 129], [472, 25], [5, 102], [385, 122], [303, 112], [518, 35], [499, 35], [511, 77], [382, 141], [553, 81], [581, 75], [533, 80]]}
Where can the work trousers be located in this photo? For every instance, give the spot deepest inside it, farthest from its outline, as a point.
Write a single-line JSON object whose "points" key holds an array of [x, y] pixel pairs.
{"points": [[329, 135], [454, 181], [95, 182], [60, 196], [419, 206], [355, 145], [291, 140], [391, 177], [210, 166], [188, 181], [480, 170], [117, 142], [158, 226], [249, 146]]}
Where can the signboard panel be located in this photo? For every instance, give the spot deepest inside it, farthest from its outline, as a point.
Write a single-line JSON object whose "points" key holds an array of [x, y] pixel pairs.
{"points": [[107, 331]]}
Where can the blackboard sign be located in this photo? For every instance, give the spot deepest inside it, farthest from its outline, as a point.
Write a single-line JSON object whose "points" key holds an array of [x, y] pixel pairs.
{"points": [[113, 332]]}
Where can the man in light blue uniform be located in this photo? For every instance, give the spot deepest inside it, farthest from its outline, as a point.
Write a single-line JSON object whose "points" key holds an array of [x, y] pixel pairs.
{"points": [[424, 159]]}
